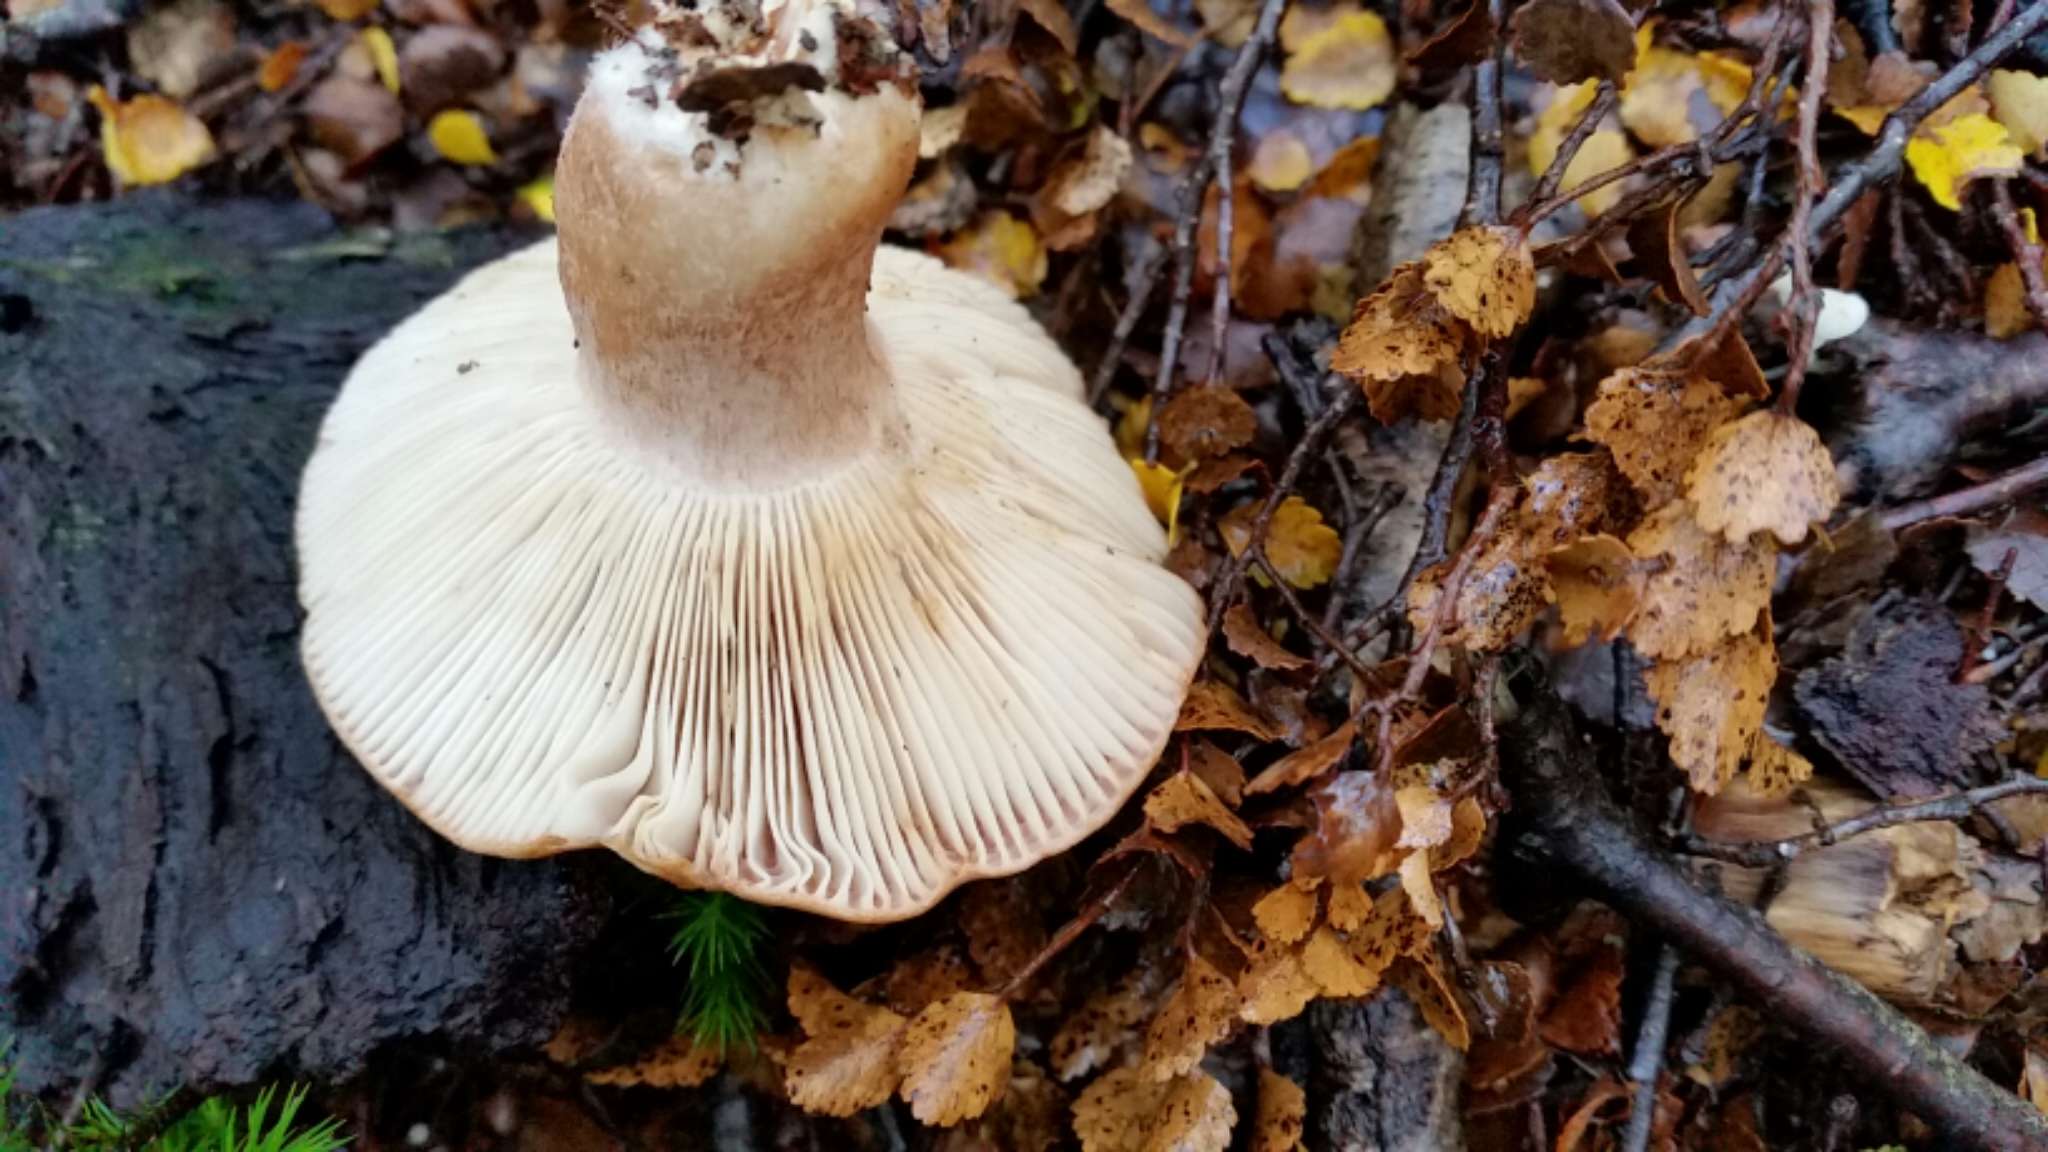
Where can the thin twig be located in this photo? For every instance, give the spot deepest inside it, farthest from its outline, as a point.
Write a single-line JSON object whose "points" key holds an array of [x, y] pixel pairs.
{"points": [[1803, 309], [1068, 933], [1603, 102], [1968, 501], [1222, 137], [1646, 1063], [1979, 630], [1188, 216], [1489, 149], [1149, 271], [1956, 806], [2025, 252], [1311, 443]]}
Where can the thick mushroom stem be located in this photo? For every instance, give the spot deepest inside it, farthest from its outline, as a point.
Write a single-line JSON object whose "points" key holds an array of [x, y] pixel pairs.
{"points": [[718, 289]]}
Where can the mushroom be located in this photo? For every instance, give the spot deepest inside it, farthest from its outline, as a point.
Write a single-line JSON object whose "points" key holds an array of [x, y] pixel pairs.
{"points": [[718, 534]]}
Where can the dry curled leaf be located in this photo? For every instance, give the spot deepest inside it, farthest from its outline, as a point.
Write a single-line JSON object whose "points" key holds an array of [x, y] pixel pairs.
{"points": [[955, 1058], [1199, 423], [1404, 347], [1706, 589], [1566, 41], [1712, 705], [1598, 585], [1285, 914], [1655, 421], [1357, 823], [847, 1063], [1766, 471], [149, 139], [1183, 799], [1347, 61], [1655, 240], [1305, 764], [1283, 1111], [1485, 277], [677, 1062], [1140, 15], [1468, 831], [1213, 706], [1302, 549], [1200, 1012], [1247, 638], [1088, 178]]}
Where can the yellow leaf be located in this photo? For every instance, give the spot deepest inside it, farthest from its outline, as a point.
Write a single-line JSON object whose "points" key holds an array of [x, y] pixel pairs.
{"points": [[1764, 471], [1775, 769], [347, 9], [1604, 150], [2020, 102], [1301, 548], [149, 140], [383, 55], [1348, 62], [1275, 986], [1706, 589], [1425, 983], [1283, 1108], [1285, 914], [848, 1062], [1162, 488], [458, 135], [539, 196], [2005, 303], [1960, 151], [1000, 248], [1183, 799], [1196, 1116], [1405, 348], [1201, 1012], [1124, 1111], [1712, 705], [1281, 162], [955, 1058], [1485, 277], [677, 1062], [1655, 421]]}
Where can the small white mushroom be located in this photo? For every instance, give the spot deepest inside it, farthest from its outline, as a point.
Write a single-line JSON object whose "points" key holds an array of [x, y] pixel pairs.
{"points": [[716, 534]]}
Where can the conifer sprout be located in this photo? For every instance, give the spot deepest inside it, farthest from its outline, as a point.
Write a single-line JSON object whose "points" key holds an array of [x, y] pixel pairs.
{"points": [[715, 533]]}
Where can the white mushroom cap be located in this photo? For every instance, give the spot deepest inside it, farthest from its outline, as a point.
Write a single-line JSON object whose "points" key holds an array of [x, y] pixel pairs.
{"points": [[772, 575]]}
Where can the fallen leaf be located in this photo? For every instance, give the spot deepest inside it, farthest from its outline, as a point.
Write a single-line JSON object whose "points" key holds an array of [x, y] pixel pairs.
{"points": [[1654, 239], [1357, 824], [354, 119], [925, 976], [1707, 590], [1572, 495], [1162, 487], [1426, 984], [1732, 1032], [458, 135], [847, 1062], [1421, 889], [1114, 1113], [1331, 963], [1951, 155], [1585, 1015], [1350, 907], [1183, 800], [1280, 162], [1425, 816], [1405, 348], [1566, 41], [1766, 471], [1606, 149], [1305, 764], [377, 45], [1711, 705], [149, 139], [281, 66], [1052, 16], [1195, 1116], [1004, 926], [677, 1062], [2020, 102], [1204, 422], [1283, 1113], [1107, 1022], [1348, 62], [1505, 590], [1583, 1119], [1200, 1012], [1248, 638], [1275, 986], [1774, 769], [1214, 706], [1139, 14], [1468, 831], [1465, 38], [955, 1058], [1597, 584], [175, 46], [1395, 929], [346, 10], [2024, 533], [1002, 249], [1088, 178], [1485, 277], [1302, 549], [1285, 914], [1655, 421], [2005, 302], [1672, 97]]}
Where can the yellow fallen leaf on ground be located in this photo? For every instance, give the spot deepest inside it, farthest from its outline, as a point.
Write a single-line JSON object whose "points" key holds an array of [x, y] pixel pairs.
{"points": [[1285, 914], [2020, 102], [1201, 1012], [1405, 349], [1775, 769], [458, 135], [1196, 1116], [1348, 62], [1425, 983], [1655, 421], [2005, 302], [1606, 149], [1597, 586], [1275, 986], [1712, 705], [1706, 590], [538, 195], [347, 9], [1281, 162], [1485, 277], [1182, 799], [955, 1058], [1000, 248], [1302, 549], [848, 1062], [677, 1062], [1124, 1111], [1162, 487], [1960, 151], [383, 56], [1283, 1110], [1766, 471], [149, 140]]}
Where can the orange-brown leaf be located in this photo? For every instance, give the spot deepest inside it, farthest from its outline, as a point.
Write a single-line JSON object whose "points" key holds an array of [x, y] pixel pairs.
{"points": [[1655, 421], [1712, 705], [1766, 471], [1275, 986], [1200, 1012], [1248, 638], [1350, 907], [1283, 1111], [1088, 1038], [1485, 277], [1114, 1113], [1213, 706], [1356, 826], [1405, 348], [1775, 769], [1597, 584], [677, 1062], [1196, 1116], [1285, 914], [1331, 962], [1304, 764], [847, 1063], [1425, 983], [955, 1058], [1706, 590], [1468, 831], [1183, 799], [1199, 423]]}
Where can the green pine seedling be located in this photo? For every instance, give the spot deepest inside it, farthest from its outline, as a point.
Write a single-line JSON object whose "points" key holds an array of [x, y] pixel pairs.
{"points": [[717, 938]]}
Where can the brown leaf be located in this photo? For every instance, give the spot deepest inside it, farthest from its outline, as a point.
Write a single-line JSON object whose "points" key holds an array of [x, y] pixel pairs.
{"points": [[1305, 764], [1504, 592], [1004, 926], [1585, 1017], [1139, 14], [1766, 471], [1249, 639], [281, 65], [1570, 495], [1707, 589], [1356, 826], [677, 1062], [1052, 16], [442, 64], [1597, 583], [1394, 930], [1183, 799], [1285, 914], [1655, 421], [1426, 984], [1283, 1112], [924, 976], [1485, 277], [1200, 1012], [354, 119], [2023, 533], [847, 1063], [1654, 238], [1213, 706], [1203, 422], [1468, 831], [955, 1058], [1566, 41], [1712, 705], [1275, 986], [1727, 362], [1196, 1116], [1465, 40], [1218, 769], [1114, 1113], [1085, 180], [1405, 348]]}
